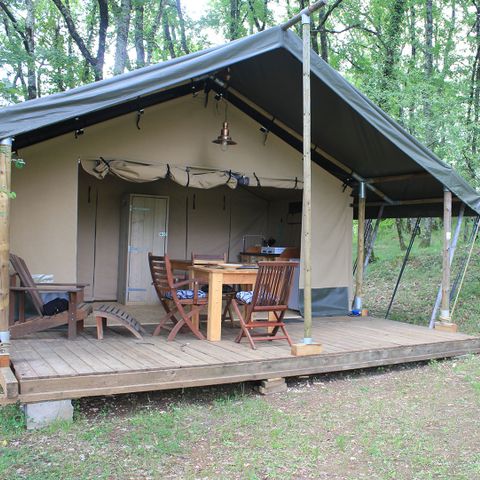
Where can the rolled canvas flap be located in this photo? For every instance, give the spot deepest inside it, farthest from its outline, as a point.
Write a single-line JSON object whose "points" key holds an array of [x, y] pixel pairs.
{"points": [[194, 177], [126, 170]]}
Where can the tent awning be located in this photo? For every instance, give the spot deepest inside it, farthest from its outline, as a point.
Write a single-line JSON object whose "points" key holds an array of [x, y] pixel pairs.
{"points": [[350, 133]]}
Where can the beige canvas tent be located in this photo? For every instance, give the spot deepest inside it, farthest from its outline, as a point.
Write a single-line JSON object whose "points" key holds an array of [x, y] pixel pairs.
{"points": [[74, 190], [163, 118]]}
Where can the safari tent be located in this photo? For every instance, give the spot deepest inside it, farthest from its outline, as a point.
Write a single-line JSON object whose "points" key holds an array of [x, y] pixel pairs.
{"points": [[164, 117], [141, 142]]}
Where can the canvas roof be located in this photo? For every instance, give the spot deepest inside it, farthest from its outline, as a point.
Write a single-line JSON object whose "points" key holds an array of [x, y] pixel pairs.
{"points": [[354, 136]]}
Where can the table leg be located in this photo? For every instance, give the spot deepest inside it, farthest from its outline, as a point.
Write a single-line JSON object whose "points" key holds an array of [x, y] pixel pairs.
{"points": [[214, 323], [195, 316], [271, 318]]}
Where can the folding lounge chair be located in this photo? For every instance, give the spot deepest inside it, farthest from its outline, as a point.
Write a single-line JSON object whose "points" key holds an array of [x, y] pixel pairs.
{"points": [[76, 313]]}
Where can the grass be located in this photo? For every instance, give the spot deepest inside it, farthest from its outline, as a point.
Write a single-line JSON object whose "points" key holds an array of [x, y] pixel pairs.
{"points": [[379, 424], [422, 277], [410, 422]]}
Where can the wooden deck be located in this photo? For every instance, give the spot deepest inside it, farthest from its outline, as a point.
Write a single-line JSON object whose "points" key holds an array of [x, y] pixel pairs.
{"points": [[48, 366]]}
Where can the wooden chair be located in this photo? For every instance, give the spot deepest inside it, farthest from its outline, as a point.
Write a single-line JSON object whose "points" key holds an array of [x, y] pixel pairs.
{"points": [[270, 294], [228, 292], [169, 292], [76, 313]]}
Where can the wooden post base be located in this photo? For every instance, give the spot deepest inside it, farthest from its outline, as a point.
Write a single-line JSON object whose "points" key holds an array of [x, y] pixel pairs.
{"points": [[4, 360], [446, 327], [9, 384], [303, 349], [272, 385]]}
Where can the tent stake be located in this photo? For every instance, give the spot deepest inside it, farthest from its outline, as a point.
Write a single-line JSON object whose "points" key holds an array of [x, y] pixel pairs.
{"points": [[5, 170], [452, 253], [405, 260], [357, 303]]}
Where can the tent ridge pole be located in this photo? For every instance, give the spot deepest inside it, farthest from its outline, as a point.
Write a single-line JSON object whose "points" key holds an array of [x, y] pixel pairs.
{"points": [[5, 169], [307, 11]]}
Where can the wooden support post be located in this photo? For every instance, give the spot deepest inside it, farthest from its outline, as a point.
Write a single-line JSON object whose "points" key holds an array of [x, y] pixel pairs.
{"points": [[307, 184], [453, 247], [308, 346], [357, 304], [5, 170], [272, 385], [447, 238]]}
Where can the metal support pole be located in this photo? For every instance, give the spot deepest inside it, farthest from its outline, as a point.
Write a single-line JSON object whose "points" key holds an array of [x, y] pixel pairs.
{"points": [[5, 170], [452, 253], [307, 185], [416, 229], [357, 303], [447, 237], [372, 239]]}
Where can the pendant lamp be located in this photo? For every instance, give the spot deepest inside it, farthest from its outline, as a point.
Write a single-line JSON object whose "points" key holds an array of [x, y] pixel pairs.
{"points": [[224, 139]]}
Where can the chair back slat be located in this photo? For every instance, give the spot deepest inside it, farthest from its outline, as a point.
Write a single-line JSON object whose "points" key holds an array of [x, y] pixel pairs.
{"points": [[273, 284], [26, 280], [207, 259], [161, 271]]}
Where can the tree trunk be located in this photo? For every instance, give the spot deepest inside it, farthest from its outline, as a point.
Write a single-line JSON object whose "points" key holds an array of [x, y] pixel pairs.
{"points": [[30, 42], [426, 236], [102, 38], [427, 106], [153, 31], [97, 62], [233, 27], [401, 240], [181, 20], [123, 24], [168, 36], [391, 42], [139, 26], [26, 34]]}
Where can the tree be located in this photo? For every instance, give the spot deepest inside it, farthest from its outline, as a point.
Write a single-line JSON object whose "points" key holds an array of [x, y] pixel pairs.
{"points": [[95, 61]]}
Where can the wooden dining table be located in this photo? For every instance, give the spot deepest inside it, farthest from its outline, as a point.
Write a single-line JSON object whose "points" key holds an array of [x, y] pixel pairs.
{"points": [[217, 276]]}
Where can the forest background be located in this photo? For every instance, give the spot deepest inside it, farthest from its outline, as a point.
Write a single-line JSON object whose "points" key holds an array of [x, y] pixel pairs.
{"points": [[418, 59]]}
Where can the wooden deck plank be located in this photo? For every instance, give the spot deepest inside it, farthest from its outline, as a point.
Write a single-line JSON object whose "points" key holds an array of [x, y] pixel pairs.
{"points": [[237, 372], [48, 366]]}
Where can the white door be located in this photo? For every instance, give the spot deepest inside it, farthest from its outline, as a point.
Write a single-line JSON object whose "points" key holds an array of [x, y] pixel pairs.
{"points": [[147, 233]]}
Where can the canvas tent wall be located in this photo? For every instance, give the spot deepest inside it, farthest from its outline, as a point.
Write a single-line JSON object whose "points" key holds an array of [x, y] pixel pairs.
{"points": [[52, 177]]}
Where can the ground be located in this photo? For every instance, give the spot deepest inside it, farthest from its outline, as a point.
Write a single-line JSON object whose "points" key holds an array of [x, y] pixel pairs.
{"points": [[410, 422], [416, 421]]}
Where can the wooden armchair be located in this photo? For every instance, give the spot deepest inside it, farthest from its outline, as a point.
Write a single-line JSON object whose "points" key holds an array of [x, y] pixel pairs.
{"points": [[270, 294], [174, 299], [76, 313]]}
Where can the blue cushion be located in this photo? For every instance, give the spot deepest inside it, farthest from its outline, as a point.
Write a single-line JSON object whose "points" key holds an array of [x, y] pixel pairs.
{"points": [[186, 294], [245, 297]]}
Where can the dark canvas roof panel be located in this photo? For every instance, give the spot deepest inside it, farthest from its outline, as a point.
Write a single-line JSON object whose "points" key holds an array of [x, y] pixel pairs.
{"points": [[265, 69]]}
